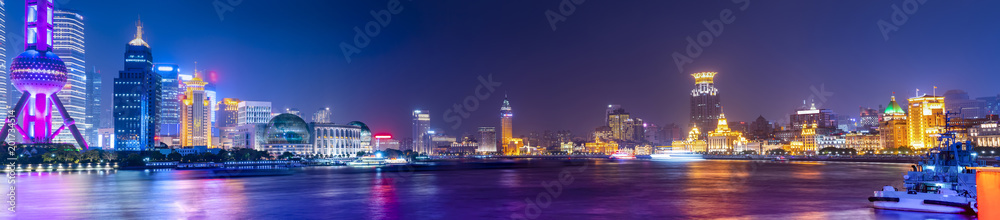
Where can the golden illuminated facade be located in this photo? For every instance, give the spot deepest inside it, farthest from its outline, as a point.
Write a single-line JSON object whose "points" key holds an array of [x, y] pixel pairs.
{"points": [[863, 142], [892, 128], [926, 121], [506, 132], [601, 147], [808, 138], [196, 121], [693, 142], [620, 124], [723, 139]]}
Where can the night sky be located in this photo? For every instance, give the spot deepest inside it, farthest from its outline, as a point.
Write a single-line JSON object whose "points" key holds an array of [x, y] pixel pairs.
{"points": [[430, 54]]}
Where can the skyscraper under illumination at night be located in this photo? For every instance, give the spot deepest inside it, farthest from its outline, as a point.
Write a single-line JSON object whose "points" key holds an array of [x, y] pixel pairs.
{"points": [[925, 121], [196, 108], [137, 98], [487, 140], [705, 105], [421, 132], [506, 128], [94, 88], [68, 45], [4, 95]]}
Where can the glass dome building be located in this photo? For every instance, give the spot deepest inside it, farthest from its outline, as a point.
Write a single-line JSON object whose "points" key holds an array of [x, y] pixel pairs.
{"points": [[366, 135], [287, 133]]}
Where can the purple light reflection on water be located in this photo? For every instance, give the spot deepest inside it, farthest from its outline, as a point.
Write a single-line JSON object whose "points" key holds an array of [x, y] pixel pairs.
{"points": [[638, 189]]}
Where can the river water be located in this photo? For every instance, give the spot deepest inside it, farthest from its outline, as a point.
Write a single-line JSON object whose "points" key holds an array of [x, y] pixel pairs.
{"points": [[545, 189]]}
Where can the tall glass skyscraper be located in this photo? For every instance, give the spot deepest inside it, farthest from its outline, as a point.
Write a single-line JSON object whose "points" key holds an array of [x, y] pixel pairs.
{"points": [[137, 98], [3, 59], [421, 132], [68, 45], [94, 85], [170, 111]]}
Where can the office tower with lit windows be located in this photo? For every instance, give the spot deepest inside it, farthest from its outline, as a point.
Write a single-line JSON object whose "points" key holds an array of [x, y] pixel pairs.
{"points": [[825, 119], [171, 108], [322, 116], [227, 119], [228, 113], [94, 85], [869, 120], [925, 121], [253, 112], [421, 132], [212, 100], [170, 102], [196, 122], [6, 90], [506, 128], [487, 140], [705, 104], [611, 109], [892, 128], [137, 98], [68, 44], [619, 122]]}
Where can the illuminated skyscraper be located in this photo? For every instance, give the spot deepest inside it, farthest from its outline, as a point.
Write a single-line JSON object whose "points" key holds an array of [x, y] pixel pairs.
{"points": [[94, 88], [705, 105], [196, 108], [170, 109], [506, 128], [421, 132], [619, 122], [227, 118], [892, 127], [322, 116], [227, 115], [39, 74], [68, 44], [4, 95], [925, 122], [487, 140], [137, 98]]}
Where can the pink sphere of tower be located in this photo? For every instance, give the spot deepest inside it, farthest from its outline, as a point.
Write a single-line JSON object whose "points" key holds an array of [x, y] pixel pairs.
{"points": [[38, 72]]}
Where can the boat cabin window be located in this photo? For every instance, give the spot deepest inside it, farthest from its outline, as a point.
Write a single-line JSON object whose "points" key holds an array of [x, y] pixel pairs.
{"points": [[927, 188]]}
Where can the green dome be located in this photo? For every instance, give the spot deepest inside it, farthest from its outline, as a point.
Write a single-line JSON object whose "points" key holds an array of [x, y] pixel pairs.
{"points": [[894, 108]]}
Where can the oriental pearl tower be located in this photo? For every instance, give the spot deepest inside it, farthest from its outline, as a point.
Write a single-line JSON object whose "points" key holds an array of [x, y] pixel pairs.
{"points": [[39, 74]]}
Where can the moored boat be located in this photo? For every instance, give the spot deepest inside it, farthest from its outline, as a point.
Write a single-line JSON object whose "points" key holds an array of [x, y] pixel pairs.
{"points": [[622, 155], [941, 183]]}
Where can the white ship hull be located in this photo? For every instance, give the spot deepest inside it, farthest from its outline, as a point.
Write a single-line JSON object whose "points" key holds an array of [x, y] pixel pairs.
{"points": [[921, 202], [677, 156]]}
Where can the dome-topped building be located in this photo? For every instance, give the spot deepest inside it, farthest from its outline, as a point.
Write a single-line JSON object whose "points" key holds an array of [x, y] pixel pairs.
{"points": [[287, 133]]}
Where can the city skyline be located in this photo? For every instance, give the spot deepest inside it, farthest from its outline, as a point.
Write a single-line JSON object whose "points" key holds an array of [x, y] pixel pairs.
{"points": [[656, 87]]}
